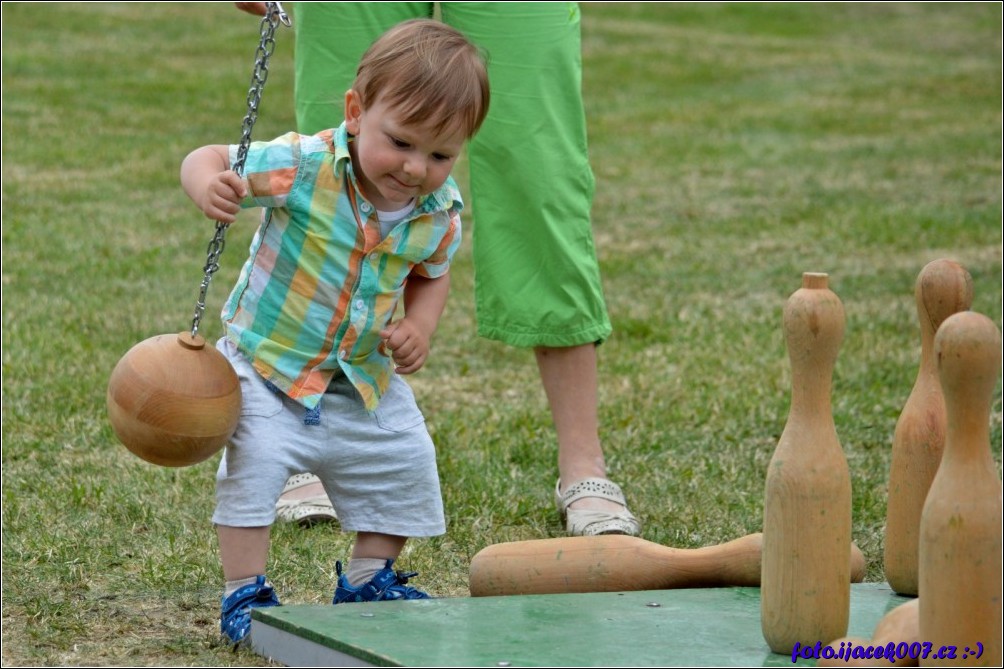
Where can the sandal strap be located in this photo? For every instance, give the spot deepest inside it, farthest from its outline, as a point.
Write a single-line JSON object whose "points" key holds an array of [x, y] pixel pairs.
{"points": [[319, 501], [586, 523], [305, 510], [592, 487], [299, 480], [589, 522]]}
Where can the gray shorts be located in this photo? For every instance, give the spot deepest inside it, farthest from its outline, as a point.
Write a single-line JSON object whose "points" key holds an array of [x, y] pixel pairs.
{"points": [[379, 469]]}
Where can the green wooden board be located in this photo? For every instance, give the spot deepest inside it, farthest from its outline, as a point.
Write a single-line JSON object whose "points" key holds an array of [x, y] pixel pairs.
{"points": [[693, 627]]}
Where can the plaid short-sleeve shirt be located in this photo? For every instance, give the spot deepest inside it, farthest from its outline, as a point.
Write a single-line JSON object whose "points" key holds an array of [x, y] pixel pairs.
{"points": [[320, 283]]}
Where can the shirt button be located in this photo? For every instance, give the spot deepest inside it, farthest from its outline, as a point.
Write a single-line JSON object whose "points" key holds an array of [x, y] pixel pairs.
{"points": [[365, 207], [360, 304], [343, 354]]}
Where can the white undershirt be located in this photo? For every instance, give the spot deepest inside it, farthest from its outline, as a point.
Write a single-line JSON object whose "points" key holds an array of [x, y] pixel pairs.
{"points": [[389, 219]]}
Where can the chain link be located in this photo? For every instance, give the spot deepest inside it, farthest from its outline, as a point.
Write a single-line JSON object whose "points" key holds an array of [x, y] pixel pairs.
{"points": [[273, 15]]}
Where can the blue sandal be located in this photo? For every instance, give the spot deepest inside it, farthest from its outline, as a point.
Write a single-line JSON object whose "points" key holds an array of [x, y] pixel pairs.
{"points": [[235, 616], [386, 585]]}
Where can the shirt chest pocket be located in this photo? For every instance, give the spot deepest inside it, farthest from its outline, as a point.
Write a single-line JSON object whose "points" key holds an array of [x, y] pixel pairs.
{"points": [[415, 243]]}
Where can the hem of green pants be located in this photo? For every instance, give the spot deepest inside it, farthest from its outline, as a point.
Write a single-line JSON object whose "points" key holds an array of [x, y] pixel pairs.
{"points": [[594, 334]]}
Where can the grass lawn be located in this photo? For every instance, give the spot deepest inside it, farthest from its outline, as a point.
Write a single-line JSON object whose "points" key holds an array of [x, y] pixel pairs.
{"points": [[735, 146]]}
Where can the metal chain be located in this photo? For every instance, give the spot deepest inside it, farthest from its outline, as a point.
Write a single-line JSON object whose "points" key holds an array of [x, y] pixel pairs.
{"points": [[273, 15]]}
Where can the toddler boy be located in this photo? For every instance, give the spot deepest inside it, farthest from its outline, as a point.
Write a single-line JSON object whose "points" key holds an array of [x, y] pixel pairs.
{"points": [[357, 221]]}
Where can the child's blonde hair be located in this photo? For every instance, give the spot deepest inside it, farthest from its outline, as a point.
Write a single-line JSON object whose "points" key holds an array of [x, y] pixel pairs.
{"points": [[430, 73]]}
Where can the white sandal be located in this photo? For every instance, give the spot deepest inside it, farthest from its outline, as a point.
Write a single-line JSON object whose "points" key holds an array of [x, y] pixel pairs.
{"points": [[590, 522], [305, 511]]}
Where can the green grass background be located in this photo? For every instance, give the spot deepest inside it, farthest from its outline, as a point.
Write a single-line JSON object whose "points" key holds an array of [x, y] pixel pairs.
{"points": [[735, 147]]}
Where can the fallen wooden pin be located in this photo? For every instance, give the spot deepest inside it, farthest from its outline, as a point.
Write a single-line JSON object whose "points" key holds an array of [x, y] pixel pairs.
{"points": [[615, 563]]}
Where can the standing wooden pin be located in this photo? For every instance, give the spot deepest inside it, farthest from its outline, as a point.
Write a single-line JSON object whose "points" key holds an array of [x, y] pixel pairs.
{"points": [[943, 288], [805, 581], [960, 527]]}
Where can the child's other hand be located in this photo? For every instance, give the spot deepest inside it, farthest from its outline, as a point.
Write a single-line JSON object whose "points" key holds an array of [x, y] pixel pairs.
{"points": [[406, 344], [222, 199]]}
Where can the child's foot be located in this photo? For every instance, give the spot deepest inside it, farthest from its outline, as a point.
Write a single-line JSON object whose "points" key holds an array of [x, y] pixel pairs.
{"points": [[385, 585], [235, 618]]}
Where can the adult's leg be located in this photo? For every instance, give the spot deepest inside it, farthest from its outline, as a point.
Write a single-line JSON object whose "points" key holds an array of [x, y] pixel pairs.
{"points": [[537, 278], [569, 377]]}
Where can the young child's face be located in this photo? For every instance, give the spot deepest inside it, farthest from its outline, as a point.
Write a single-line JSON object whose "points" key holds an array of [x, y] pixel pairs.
{"points": [[394, 162]]}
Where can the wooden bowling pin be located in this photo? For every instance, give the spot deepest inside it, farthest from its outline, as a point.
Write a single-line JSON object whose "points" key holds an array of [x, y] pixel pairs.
{"points": [[943, 288], [960, 527], [901, 625], [805, 584], [618, 563]]}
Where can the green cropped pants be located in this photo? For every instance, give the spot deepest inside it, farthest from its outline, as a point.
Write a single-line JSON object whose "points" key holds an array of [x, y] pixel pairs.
{"points": [[537, 280]]}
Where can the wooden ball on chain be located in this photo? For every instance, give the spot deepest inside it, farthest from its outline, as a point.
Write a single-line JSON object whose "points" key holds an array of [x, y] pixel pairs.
{"points": [[173, 401]]}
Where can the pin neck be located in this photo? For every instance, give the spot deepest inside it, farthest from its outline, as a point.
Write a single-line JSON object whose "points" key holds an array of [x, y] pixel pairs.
{"points": [[815, 280]]}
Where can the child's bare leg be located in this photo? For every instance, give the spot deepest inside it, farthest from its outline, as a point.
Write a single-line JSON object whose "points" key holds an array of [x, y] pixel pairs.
{"points": [[382, 546], [370, 554], [243, 551]]}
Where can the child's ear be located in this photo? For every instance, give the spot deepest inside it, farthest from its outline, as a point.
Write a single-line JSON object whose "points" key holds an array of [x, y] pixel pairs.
{"points": [[353, 111]]}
